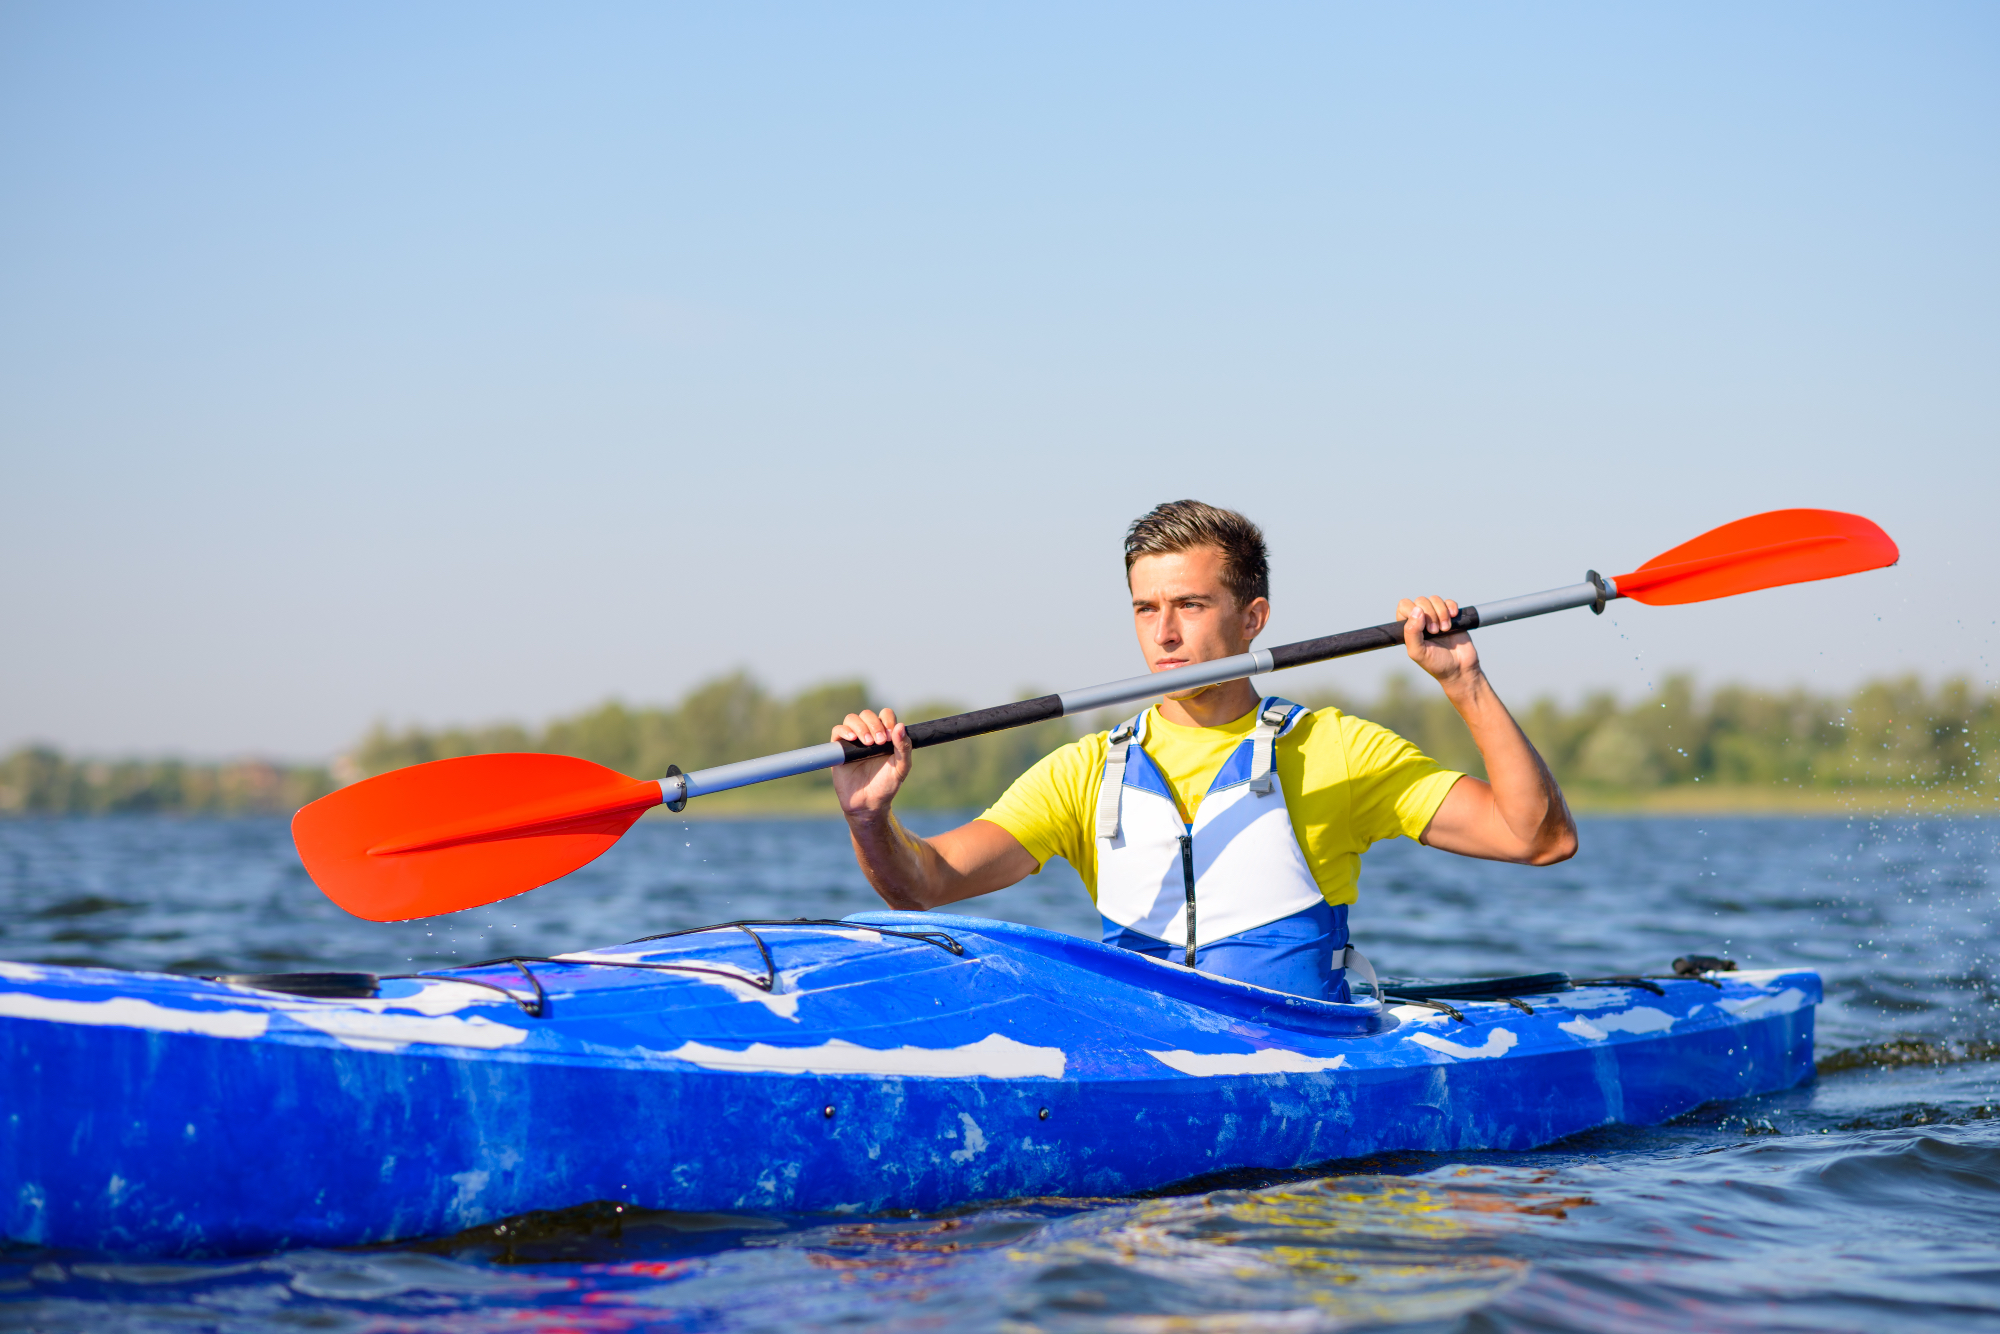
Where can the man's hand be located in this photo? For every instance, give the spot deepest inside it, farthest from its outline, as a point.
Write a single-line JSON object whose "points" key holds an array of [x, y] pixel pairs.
{"points": [[1519, 815], [914, 873], [867, 787], [1450, 659]]}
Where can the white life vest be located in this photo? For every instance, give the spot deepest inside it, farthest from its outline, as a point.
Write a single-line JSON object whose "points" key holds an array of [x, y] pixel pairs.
{"points": [[1238, 866]]}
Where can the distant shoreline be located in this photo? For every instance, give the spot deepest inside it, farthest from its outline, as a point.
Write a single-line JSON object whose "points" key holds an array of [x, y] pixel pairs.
{"points": [[1727, 800], [1671, 802], [1890, 748]]}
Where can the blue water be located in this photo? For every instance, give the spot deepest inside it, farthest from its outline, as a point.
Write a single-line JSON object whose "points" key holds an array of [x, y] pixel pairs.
{"points": [[1869, 1200]]}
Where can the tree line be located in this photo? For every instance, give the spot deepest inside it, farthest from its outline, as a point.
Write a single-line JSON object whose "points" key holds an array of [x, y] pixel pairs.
{"points": [[39, 780], [1888, 737]]}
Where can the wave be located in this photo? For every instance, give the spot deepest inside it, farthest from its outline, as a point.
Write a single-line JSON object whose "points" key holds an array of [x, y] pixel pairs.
{"points": [[1909, 1051]]}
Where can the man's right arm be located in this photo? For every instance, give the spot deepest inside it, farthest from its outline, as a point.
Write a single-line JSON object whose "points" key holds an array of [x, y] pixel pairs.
{"points": [[914, 873]]}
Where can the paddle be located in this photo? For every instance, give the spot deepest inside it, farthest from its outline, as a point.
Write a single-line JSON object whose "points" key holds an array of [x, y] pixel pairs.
{"points": [[453, 834]]}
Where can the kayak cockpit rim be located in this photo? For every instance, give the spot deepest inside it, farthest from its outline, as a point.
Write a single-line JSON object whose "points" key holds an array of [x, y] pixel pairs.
{"points": [[1175, 981]]}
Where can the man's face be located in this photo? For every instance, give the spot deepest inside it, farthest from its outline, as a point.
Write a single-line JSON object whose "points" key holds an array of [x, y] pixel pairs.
{"points": [[1185, 613]]}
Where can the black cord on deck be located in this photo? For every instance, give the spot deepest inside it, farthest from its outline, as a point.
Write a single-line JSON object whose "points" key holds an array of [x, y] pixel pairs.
{"points": [[538, 1007]]}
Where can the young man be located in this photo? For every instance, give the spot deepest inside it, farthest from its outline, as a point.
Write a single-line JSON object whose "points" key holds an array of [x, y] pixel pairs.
{"points": [[1249, 813]]}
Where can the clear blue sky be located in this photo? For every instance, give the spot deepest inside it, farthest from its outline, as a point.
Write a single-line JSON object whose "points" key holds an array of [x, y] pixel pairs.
{"points": [[451, 362]]}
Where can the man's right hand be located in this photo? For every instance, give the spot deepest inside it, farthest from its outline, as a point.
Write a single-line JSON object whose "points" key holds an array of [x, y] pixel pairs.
{"points": [[914, 873], [867, 787]]}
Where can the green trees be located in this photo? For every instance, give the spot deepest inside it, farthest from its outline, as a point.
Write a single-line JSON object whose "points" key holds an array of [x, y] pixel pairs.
{"points": [[36, 780], [735, 718], [1888, 737], [1895, 740]]}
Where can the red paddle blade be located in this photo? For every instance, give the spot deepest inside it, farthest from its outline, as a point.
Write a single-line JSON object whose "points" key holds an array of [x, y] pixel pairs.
{"points": [[1762, 551], [435, 838]]}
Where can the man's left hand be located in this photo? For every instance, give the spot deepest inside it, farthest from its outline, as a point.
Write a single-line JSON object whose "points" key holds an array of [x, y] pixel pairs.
{"points": [[1448, 659]]}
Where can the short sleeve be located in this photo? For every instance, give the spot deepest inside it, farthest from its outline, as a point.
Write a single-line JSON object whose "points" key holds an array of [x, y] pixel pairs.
{"points": [[1397, 788], [1049, 809]]}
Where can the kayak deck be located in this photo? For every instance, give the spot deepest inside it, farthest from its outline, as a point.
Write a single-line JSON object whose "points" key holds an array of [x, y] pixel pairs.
{"points": [[895, 1060]]}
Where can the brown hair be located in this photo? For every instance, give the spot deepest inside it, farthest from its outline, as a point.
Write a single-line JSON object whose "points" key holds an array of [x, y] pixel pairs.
{"points": [[1182, 525]]}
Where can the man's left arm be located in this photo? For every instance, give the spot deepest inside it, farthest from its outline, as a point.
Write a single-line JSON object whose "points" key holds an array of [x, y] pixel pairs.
{"points": [[1518, 814]]}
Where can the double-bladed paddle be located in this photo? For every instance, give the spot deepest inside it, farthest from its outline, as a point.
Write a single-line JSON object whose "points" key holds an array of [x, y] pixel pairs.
{"points": [[453, 834]]}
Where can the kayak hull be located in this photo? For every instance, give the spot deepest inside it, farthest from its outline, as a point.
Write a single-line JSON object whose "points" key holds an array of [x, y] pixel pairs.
{"points": [[182, 1117]]}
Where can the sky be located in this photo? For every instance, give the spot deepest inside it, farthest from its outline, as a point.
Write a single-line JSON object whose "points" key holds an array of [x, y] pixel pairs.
{"points": [[458, 362]]}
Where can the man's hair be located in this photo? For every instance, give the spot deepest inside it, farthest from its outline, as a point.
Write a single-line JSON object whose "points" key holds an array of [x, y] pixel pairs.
{"points": [[1182, 525]]}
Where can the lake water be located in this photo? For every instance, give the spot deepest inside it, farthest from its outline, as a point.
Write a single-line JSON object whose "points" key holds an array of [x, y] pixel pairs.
{"points": [[1866, 1201]]}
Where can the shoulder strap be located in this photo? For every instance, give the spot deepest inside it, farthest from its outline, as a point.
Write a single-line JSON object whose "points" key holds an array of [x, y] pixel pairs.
{"points": [[1354, 959], [1274, 717], [1111, 793]]}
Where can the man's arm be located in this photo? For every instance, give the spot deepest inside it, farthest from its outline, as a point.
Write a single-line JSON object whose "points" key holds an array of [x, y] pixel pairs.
{"points": [[1519, 815], [909, 872]]}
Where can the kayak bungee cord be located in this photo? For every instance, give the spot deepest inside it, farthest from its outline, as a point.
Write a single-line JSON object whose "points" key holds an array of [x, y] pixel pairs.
{"points": [[1437, 995], [1433, 995], [539, 1006], [944, 942]]}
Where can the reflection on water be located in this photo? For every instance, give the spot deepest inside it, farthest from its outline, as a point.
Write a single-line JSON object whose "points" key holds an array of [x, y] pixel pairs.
{"points": [[1867, 1201]]}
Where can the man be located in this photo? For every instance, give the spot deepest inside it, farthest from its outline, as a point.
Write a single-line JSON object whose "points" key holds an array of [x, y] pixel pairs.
{"points": [[1218, 828]]}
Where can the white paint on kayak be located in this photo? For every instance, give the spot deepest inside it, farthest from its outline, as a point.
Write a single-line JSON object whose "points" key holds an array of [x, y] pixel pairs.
{"points": [[20, 972], [1418, 1014], [995, 1056], [1755, 976], [131, 1012], [1638, 1019], [470, 1185], [391, 1032], [431, 998], [1264, 1061], [441, 997], [1756, 1007], [782, 1001], [975, 1140], [1589, 998], [1498, 1043]]}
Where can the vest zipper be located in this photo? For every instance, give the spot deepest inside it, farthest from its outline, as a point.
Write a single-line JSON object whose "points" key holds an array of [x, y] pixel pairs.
{"points": [[1187, 878]]}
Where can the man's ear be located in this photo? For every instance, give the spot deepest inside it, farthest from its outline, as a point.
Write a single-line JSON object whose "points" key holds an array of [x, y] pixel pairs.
{"points": [[1256, 616]]}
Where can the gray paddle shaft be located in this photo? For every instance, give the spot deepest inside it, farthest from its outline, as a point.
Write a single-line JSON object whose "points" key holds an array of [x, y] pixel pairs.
{"points": [[675, 789]]}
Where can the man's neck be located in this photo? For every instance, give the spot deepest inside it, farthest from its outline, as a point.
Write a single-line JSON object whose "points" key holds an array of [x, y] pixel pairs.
{"points": [[1213, 707]]}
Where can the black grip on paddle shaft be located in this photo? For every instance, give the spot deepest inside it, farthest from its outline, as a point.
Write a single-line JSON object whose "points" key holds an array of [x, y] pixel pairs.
{"points": [[958, 726], [1388, 635], [1003, 716]]}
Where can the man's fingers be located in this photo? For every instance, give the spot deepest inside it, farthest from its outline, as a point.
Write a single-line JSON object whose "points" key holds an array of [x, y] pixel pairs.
{"points": [[865, 728], [1428, 614], [868, 728]]}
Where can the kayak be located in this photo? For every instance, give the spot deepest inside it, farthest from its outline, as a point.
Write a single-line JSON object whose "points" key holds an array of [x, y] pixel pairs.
{"points": [[887, 1061]]}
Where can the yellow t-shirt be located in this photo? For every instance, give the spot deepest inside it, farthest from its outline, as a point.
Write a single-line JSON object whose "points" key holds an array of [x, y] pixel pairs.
{"points": [[1348, 784]]}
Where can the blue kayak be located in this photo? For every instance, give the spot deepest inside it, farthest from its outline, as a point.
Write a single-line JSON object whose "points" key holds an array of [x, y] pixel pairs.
{"points": [[909, 1061]]}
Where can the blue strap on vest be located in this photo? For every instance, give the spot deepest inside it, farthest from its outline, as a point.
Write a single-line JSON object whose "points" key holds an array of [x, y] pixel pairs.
{"points": [[1306, 954]]}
